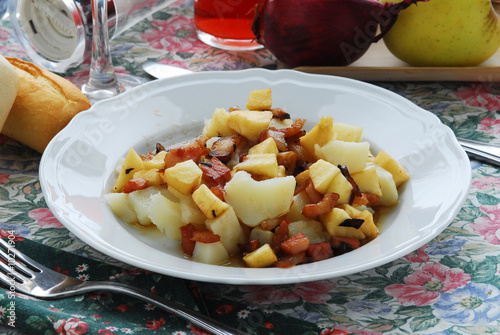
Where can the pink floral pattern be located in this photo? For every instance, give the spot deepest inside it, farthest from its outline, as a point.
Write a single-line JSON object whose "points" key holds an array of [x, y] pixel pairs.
{"points": [[45, 218], [424, 286], [479, 95], [488, 225]]}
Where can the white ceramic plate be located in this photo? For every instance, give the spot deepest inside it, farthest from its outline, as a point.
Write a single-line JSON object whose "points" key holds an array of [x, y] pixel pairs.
{"points": [[76, 170]]}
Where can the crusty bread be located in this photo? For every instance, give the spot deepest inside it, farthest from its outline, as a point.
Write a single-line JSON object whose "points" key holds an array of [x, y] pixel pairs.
{"points": [[44, 105], [8, 88]]}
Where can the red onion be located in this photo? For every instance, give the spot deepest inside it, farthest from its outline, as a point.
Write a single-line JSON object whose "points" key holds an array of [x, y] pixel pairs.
{"points": [[323, 32]]}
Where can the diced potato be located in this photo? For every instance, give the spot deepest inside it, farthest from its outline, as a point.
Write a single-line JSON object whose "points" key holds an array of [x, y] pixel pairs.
{"points": [[157, 162], [210, 253], [268, 146], [217, 126], [314, 230], [264, 165], [249, 123], [191, 213], [347, 133], [322, 173], [256, 201], [165, 215], [299, 201], [368, 227], [367, 180], [209, 203], [228, 227], [390, 196], [140, 200], [153, 176], [131, 165], [121, 207], [184, 176], [260, 100], [320, 134], [351, 154], [264, 236], [261, 258], [342, 187], [332, 220], [399, 174]]}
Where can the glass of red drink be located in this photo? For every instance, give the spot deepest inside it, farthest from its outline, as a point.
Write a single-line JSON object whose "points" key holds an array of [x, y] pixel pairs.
{"points": [[226, 24]]}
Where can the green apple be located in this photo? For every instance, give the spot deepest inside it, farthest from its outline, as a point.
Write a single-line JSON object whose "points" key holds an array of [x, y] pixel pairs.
{"points": [[445, 33]]}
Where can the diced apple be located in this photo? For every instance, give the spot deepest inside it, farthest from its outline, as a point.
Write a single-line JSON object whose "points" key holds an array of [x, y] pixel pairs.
{"points": [[350, 210], [347, 133], [277, 123], [249, 123], [208, 202], [264, 236], [256, 201], [351, 154], [342, 187], [228, 227], [121, 207], [367, 180], [166, 216], [390, 196], [399, 174], [302, 177], [322, 173], [320, 134], [131, 165], [268, 146], [263, 165], [261, 258], [153, 176], [369, 228], [191, 213], [157, 162], [260, 100], [184, 176], [332, 220], [299, 201], [217, 126], [210, 253], [314, 230]]}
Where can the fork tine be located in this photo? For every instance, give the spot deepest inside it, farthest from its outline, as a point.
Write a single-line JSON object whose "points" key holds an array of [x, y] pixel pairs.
{"points": [[20, 261]]}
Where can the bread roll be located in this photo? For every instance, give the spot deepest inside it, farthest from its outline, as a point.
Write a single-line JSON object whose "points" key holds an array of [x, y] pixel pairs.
{"points": [[8, 88], [44, 105]]}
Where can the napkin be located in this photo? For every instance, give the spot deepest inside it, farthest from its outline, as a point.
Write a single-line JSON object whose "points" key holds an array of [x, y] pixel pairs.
{"points": [[98, 312]]}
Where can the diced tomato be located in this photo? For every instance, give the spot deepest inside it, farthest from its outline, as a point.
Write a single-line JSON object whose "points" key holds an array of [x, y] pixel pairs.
{"points": [[320, 251], [205, 236], [296, 244], [215, 173], [135, 184], [288, 261], [187, 241]]}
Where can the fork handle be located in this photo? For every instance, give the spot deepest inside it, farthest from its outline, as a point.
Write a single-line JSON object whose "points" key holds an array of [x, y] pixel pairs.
{"points": [[213, 326]]}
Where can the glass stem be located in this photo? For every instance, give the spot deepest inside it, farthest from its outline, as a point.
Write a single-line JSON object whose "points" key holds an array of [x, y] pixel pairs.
{"points": [[102, 76]]}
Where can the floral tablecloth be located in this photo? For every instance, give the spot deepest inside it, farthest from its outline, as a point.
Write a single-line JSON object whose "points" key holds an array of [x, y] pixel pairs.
{"points": [[451, 285]]}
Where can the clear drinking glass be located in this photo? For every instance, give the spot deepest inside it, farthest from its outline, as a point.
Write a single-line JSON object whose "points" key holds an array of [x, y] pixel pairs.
{"points": [[103, 82]]}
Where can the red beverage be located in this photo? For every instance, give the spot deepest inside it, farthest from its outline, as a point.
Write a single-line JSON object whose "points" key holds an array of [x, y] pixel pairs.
{"points": [[226, 24]]}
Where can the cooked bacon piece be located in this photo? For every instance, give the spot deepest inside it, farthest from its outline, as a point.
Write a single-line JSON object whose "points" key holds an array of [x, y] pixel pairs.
{"points": [[303, 156], [341, 245], [320, 251], [324, 206], [218, 191], [233, 109], [281, 234], [215, 173], [205, 236], [225, 147], [296, 244], [179, 155], [270, 224], [313, 194], [279, 113], [160, 148], [294, 129], [186, 242], [147, 157], [287, 261], [288, 159], [249, 247], [278, 136], [135, 184]]}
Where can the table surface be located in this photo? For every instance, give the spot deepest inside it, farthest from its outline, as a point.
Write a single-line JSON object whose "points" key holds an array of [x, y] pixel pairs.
{"points": [[450, 285]]}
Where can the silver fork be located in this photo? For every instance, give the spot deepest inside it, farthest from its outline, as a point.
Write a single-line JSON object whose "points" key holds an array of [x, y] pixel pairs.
{"points": [[39, 281]]}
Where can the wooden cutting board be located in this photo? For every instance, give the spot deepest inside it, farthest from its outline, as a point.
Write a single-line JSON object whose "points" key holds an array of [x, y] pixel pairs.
{"points": [[378, 64]]}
